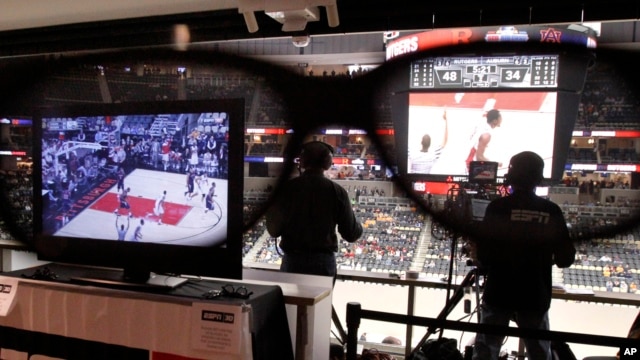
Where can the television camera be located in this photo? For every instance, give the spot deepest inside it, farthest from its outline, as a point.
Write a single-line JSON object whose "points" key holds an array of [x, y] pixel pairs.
{"points": [[466, 202], [464, 208]]}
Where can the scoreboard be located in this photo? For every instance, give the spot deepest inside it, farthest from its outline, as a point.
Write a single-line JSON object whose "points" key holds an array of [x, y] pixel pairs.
{"points": [[463, 72]]}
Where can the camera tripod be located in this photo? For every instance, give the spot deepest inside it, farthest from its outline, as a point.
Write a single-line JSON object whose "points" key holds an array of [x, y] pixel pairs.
{"points": [[470, 280]]}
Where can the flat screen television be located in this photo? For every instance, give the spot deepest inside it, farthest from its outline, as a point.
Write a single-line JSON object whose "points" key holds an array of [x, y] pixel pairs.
{"points": [[135, 186]]}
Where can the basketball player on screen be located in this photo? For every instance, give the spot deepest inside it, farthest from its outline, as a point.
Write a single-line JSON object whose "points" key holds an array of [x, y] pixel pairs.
{"points": [[124, 203], [422, 161], [137, 233], [201, 179], [158, 209], [209, 198], [120, 174], [165, 149], [191, 183], [122, 229], [482, 137]]}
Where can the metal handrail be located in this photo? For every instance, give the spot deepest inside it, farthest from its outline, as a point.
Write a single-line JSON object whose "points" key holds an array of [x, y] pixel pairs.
{"points": [[355, 313]]}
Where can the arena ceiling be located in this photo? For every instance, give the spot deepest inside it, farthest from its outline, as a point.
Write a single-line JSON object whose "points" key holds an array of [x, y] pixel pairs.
{"points": [[37, 26]]}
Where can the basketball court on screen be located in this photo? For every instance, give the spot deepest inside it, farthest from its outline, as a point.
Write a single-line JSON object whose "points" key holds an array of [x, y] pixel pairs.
{"points": [[185, 220]]}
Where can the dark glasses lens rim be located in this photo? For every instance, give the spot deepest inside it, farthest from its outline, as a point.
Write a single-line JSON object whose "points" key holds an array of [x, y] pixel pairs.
{"points": [[285, 78]]}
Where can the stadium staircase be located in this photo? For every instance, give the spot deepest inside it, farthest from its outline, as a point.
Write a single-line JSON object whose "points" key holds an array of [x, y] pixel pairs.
{"points": [[164, 122], [104, 89], [557, 276], [422, 249], [254, 107], [261, 243]]}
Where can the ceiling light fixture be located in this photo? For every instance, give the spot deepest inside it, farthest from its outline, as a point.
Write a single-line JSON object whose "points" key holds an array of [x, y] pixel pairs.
{"points": [[292, 14]]}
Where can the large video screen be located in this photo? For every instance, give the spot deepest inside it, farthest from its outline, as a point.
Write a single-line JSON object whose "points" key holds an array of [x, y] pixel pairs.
{"points": [[456, 123]]}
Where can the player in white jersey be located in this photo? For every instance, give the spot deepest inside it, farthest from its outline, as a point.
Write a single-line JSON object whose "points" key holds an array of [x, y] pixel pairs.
{"points": [[158, 209], [137, 233], [422, 161], [122, 229]]}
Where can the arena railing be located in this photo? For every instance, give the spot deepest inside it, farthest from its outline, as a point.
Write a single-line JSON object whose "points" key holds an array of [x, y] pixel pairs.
{"points": [[355, 313]]}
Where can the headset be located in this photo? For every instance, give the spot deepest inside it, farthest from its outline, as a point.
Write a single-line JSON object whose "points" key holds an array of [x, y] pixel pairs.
{"points": [[525, 169], [316, 154]]}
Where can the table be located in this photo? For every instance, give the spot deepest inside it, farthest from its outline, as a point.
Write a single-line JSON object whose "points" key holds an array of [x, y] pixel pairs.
{"points": [[308, 300], [65, 320]]}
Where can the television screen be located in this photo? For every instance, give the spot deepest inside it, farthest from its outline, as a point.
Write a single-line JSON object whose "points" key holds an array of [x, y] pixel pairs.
{"points": [[455, 123], [483, 172], [151, 186]]}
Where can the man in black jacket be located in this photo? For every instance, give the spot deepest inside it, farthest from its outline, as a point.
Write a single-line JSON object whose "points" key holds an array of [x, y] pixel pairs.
{"points": [[306, 213], [521, 237]]}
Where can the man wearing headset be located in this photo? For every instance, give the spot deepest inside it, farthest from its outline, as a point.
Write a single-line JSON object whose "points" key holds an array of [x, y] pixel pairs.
{"points": [[521, 237], [306, 213]]}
